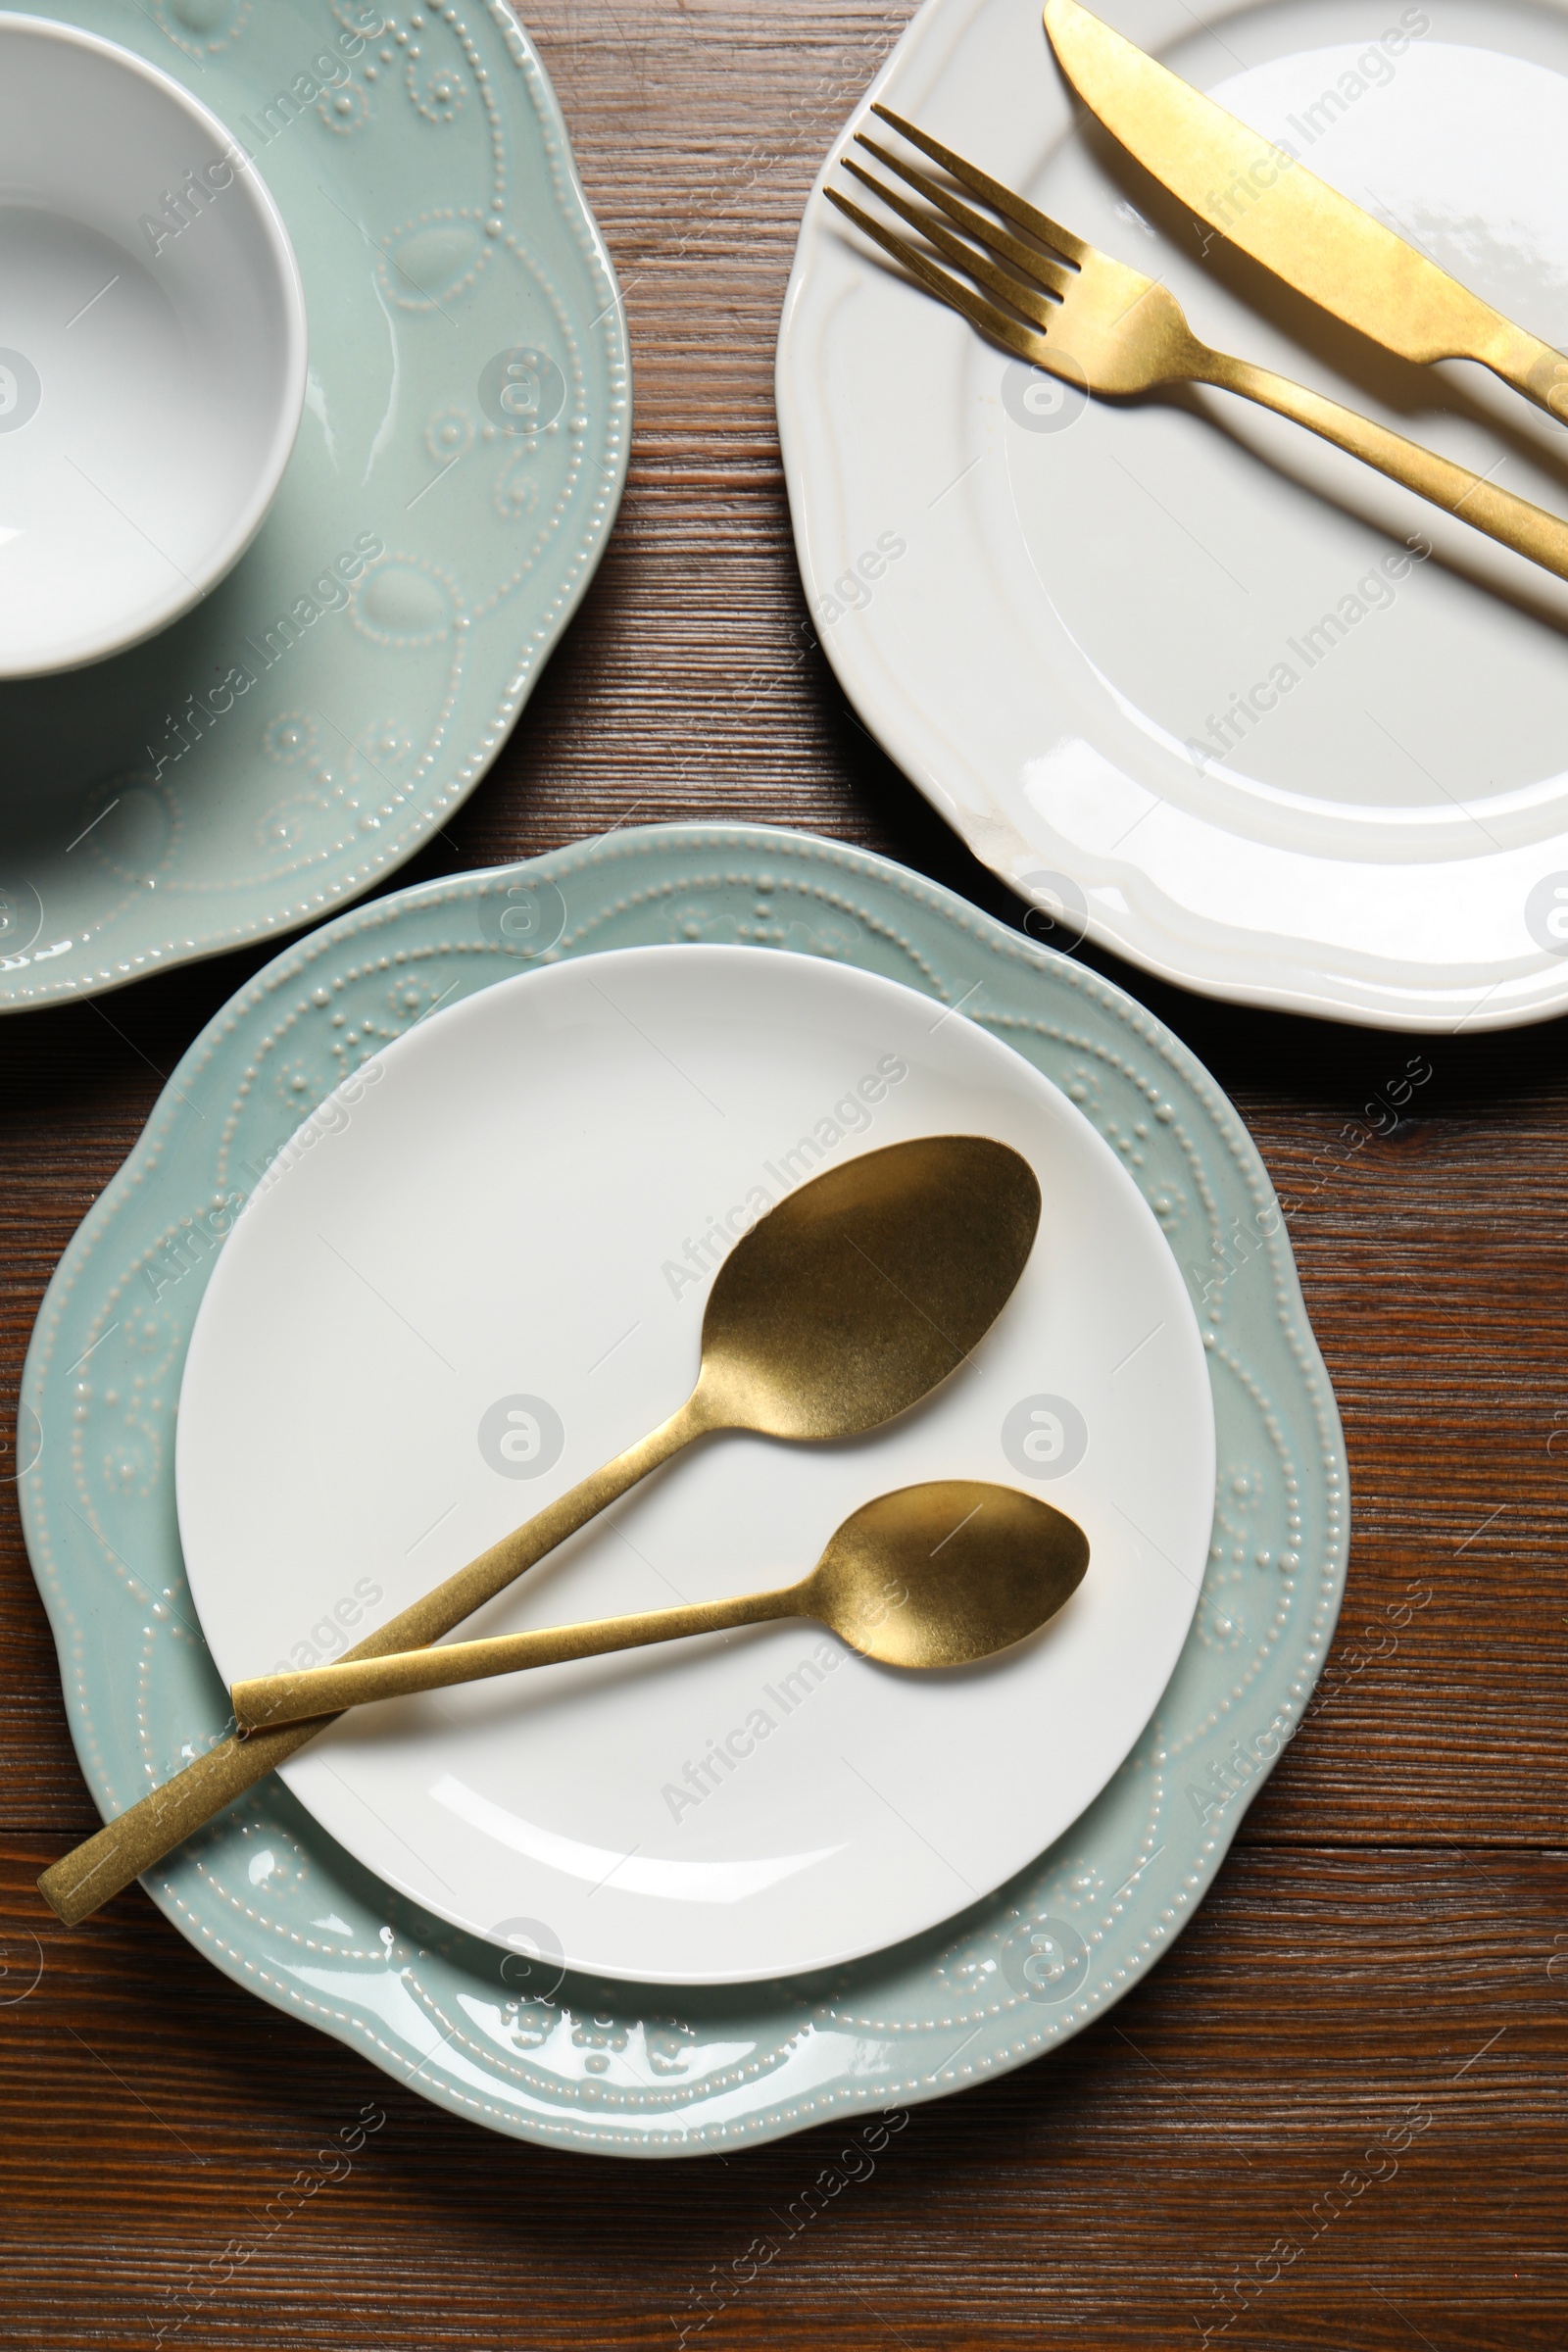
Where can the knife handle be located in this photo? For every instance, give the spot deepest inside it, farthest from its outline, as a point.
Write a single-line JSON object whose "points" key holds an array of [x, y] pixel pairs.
{"points": [[1513, 521]]}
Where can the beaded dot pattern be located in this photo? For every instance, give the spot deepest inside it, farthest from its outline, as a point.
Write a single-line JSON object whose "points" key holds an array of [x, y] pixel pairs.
{"points": [[276, 1905], [304, 731]]}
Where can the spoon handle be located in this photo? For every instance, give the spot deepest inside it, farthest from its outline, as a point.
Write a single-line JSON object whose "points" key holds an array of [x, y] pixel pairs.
{"points": [[140, 1836], [276, 1699]]}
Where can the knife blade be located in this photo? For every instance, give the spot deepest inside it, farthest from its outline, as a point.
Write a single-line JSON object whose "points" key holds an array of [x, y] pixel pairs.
{"points": [[1264, 200]]}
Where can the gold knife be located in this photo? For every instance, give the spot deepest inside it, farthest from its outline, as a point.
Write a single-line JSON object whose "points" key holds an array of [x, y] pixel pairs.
{"points": [[1261, 199]]}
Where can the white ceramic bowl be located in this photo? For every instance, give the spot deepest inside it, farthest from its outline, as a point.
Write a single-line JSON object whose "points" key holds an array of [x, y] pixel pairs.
{"points": [[151, 349]]}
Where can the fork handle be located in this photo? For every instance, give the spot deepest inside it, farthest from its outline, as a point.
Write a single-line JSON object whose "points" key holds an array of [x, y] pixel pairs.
{"points": [[1529, 530]]}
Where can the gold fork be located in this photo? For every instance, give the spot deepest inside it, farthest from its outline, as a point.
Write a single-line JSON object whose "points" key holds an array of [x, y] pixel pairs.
{"points": [[1109, 330]]}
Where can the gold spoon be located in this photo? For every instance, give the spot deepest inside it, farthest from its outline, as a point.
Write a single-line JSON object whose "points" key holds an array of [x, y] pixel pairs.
{"points": [[936, 1575], [840, 1309]]}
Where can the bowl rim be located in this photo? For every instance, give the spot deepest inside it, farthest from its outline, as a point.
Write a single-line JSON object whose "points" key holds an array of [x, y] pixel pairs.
{"points": [[226, 550]]}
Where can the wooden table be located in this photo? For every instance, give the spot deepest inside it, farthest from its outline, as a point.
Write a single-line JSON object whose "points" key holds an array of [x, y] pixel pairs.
{"points": [[1391, 1928]]}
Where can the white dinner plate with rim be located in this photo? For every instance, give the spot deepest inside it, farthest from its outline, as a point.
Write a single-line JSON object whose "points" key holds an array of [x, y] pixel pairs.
{"points": [[1042, 605], [493, 1219]]}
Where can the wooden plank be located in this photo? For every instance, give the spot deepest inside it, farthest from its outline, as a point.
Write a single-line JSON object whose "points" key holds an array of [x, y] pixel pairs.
{"points": [[1357, 2056], [1392, 1928]]}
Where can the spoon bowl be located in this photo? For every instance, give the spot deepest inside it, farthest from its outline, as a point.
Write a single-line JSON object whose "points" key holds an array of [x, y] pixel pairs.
{"points": [[858, 1294], [944, 1574]]}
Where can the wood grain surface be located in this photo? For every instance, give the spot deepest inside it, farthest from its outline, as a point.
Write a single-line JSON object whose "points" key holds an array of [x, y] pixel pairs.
{"points": [[1376, 1991]]}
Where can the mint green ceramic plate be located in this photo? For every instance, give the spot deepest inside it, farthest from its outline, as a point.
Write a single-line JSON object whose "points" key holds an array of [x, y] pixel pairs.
{"points": [[494, 2035], [460, 460]]}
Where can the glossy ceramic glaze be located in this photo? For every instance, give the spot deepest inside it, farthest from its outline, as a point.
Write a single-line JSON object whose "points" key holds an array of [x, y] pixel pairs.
{"points": [[489, 1278], [154, 371], [497, 2035], [1201, 687], [320, 714]]}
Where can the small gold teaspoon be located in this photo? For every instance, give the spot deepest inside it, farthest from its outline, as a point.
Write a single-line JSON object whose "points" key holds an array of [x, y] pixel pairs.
{"points": [[937, 1575]]}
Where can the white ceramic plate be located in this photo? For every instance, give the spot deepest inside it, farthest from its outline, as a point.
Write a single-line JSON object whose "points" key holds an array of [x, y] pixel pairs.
{"points": [[1047, 606], [494, 1221]]}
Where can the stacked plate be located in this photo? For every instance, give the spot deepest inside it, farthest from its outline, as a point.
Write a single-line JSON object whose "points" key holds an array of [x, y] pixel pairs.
{"points": [[653, 1904]]}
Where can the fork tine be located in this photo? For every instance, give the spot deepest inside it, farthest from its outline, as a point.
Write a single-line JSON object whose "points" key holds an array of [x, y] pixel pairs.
{"points": [[1022, 341], [1033, 304], [1057, 275], [1013, 207]]}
